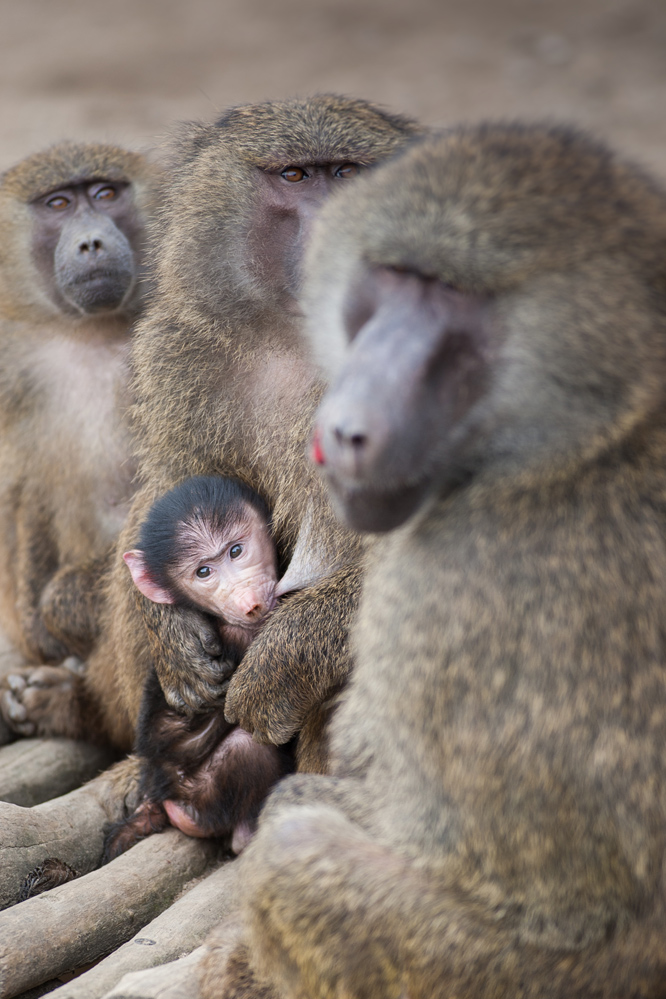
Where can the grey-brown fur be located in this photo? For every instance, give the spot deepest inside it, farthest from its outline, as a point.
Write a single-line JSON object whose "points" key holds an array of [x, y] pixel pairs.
{"points": [[65, 467], [497, 823]]}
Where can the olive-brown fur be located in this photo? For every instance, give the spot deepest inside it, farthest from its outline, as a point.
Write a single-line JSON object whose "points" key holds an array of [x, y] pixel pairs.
{"points": [[496, 822]]}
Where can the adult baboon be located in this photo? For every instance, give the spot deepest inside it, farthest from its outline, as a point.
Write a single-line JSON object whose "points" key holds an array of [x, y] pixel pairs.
{"points": [[225, 387], [72, 221], [497, 822]]}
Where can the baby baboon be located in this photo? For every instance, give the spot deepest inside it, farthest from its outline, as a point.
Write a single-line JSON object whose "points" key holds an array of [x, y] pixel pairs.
{"points": [[206, 544], [496, 825], [72, 222], [225, 386]]}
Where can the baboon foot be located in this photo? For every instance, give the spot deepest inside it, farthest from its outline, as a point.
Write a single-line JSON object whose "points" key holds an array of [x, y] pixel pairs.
{"points": [[42, 701]]}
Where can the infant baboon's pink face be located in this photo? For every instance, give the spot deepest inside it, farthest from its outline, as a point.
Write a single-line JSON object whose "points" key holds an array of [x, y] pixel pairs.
{"points": [[232, 575]]}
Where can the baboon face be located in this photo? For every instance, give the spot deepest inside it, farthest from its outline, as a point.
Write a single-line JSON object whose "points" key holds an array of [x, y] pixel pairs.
{"points": [[288, 200], [418, 361], [243, 193], [84, 243], [230, 573], [457, 333]]}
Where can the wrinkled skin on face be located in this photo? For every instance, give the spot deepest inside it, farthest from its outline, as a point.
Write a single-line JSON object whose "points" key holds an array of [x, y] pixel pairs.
{"points": [[232, 576], [82, 245]]}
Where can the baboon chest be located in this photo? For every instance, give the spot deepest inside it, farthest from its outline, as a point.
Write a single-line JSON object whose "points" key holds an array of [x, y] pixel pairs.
{"points": [[271, 400], [81, 397]]}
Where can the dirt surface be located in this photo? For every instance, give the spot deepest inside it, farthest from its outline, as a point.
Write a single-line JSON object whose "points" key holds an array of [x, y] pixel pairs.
{"points": [[125, 70]]}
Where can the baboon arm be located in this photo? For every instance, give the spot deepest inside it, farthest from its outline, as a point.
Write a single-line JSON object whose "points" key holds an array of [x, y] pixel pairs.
{"points": [[36, 560], [186, 651], [331, 911], [225, 969], [297, 661], [71, 603], [327, 912]]}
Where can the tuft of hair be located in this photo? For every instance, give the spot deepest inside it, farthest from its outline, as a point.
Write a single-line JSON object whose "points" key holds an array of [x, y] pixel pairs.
{"points": [[72, 163], [201, 504]]}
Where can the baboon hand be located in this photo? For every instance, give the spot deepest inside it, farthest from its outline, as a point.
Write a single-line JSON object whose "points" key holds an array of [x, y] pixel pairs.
{"points": [[267, 695], [296, 662], [187, 652]]}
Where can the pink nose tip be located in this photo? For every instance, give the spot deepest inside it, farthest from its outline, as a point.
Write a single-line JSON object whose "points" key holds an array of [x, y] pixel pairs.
{"points": [[251, 606], [316, 453]]}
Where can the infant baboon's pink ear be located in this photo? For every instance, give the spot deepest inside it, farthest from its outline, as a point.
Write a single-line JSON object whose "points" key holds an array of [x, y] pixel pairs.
{"points": [[142, 580]]}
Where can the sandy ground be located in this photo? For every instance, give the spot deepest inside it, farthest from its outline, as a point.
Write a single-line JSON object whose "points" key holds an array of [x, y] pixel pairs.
{"points": [[124, 70]]}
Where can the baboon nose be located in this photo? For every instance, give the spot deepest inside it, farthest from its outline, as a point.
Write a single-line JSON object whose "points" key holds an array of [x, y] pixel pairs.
{"points": [[347, 438], [354, 439], [91, 245], [252, 607], [351, 445]]}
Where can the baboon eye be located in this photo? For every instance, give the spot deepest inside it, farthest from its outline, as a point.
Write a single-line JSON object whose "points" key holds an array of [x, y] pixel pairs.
{"points": [[346, 170], [235, 551], [105, 194], [58, 202], [203, 572], [294, 174]]}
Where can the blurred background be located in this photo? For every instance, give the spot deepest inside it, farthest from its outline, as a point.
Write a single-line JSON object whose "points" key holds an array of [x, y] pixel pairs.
{"points": [[123, 70]]}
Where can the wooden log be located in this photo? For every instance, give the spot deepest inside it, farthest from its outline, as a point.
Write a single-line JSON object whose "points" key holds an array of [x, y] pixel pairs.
{"points": [[177, 980], [72, 925], [35, 770], [179, 929], [69, 828]]}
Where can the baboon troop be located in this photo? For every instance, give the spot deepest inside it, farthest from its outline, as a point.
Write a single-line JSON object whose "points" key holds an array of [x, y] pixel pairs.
{"points": [[224, 385], [424, 374]]}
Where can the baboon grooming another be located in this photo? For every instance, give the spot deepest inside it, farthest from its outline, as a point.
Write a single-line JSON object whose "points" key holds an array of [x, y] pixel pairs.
{"points": [[72, 220], [225, 387], [496, 825]]}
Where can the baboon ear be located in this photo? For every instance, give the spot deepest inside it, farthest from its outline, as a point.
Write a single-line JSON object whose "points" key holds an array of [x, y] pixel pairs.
{"points": [[143, 581]]}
